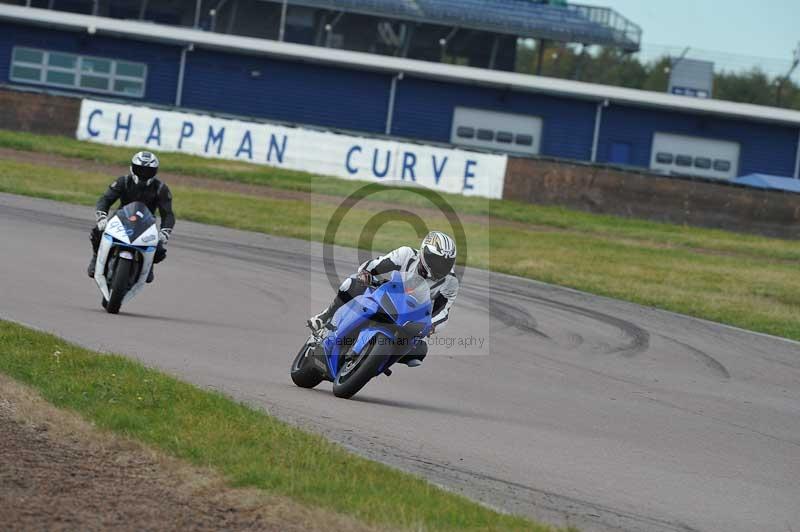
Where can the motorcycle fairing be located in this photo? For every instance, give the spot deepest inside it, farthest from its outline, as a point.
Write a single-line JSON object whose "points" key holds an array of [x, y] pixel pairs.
{"points": [[131, 221], [398, 308]]}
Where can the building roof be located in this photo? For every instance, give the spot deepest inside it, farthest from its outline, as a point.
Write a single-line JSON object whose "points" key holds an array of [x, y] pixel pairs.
{"points": [[770, 182], [364, 61], [522, 18]]}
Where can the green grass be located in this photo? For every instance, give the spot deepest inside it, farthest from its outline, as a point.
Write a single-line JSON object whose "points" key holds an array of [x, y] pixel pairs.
{"points": [[249, 447], [743, 280], [647, 232]]}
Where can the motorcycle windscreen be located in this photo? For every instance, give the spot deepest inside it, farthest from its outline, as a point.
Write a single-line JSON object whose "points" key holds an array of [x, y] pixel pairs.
{"points": [[136, 218], [406, 300]]}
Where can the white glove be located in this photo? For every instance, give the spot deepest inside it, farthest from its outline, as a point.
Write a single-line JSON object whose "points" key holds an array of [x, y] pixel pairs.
{"points": [[102, 220], [163, 236]]}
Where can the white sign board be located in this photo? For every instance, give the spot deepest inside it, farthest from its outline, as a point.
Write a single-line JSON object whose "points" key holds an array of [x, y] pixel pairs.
{"points": [[318, 152]]}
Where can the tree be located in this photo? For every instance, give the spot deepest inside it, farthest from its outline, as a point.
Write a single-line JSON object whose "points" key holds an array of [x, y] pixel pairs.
{"points": [[609, 66]]}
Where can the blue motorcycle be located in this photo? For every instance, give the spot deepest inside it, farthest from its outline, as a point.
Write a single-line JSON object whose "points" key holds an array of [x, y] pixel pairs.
{"points": [[366, 336]]}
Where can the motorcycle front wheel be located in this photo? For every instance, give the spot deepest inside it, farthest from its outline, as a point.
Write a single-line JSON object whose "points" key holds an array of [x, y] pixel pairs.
{"points": [[361, 368], [119, 286]]}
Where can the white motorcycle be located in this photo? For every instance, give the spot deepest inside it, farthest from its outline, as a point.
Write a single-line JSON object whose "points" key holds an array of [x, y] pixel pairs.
{"points": [[125, 255]]}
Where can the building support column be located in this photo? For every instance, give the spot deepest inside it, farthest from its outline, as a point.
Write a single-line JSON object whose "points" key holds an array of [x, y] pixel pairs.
{"points": [[182, 74], [598, 119], [282, 27], [493, 56], [797, 158], [390, 107]]}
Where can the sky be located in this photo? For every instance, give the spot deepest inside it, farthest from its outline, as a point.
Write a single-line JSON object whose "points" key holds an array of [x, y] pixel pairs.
{"points": [[754, 28]]}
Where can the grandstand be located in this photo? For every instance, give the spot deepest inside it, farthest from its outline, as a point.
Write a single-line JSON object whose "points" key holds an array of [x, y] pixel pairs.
{"points": [[480, 33]]}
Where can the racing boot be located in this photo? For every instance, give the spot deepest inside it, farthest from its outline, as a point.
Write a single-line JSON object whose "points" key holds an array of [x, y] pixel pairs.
{"points": [[92, 263], [416, 356], [151, 275]]}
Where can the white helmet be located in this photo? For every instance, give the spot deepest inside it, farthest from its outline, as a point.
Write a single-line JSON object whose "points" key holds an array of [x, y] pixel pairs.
{"points": [[144, 167], [437, 255]]}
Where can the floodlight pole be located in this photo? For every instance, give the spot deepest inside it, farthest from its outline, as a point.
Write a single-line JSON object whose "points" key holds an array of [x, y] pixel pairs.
{"points": [[282, 29], [197, 7], [445, 40], [329, 28], [673, 62], [142, 9], [540, 56], [214, 13], [784, 79], [493, 55]]}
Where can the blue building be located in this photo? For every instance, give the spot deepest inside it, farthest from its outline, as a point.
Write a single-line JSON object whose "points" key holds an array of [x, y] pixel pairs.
{"points": [[520, 114]]}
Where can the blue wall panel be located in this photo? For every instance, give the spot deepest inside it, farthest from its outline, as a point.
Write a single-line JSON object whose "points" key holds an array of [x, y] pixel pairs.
{"points": [[162, 61], [424, 110], [765, 148], [288, 91], [343, 98]]}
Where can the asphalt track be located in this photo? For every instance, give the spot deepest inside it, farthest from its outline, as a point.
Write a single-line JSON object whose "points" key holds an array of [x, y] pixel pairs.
{"points": [[603, 414]]}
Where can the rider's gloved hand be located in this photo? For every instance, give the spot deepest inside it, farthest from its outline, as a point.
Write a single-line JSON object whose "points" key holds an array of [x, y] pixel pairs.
{"points": [[365, 277], [102, 220], [163, 236]]}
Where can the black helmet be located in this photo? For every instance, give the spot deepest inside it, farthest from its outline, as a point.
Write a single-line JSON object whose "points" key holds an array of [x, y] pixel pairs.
{"points": [[144, 167], [437, 255]]}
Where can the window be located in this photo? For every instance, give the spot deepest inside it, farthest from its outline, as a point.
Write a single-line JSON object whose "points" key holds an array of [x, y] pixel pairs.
{"points": [[722, 166], [485, 134], [96, 74], [683, 160], [664, 157], [504, 137], [702, 162], [62, 60], [465, 132], [524, 140]]}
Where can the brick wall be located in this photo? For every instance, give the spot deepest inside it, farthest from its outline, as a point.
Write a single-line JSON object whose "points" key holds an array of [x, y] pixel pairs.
{"points": [[652, 197], [39, 113]]}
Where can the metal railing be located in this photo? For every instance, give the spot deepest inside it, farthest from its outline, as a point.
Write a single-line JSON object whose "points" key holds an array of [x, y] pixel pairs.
{"points": [[623, 28]]}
